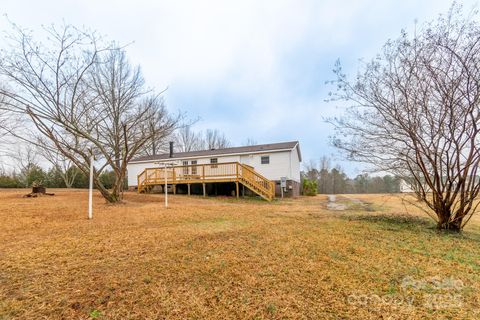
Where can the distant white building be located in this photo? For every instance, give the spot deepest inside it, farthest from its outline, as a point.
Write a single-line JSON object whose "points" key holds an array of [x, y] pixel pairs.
{"points": [[273, 161], [405, 187]]}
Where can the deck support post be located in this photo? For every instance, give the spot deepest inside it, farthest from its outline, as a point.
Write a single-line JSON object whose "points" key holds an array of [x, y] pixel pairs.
{"points": [[188, 186], [237, 192], [204, 191], [174, 189]]}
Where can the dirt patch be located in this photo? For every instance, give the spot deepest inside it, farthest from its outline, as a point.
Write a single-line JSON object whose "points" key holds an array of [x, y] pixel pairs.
{"points": [[334, 205], [345, 202]]}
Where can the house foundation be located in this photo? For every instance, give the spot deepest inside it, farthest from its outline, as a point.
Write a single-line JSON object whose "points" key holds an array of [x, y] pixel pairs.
{"points": [[292, 189]]}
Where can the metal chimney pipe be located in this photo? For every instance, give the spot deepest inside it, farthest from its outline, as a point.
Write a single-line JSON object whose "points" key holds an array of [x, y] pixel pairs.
{"points": [[171, 149]]}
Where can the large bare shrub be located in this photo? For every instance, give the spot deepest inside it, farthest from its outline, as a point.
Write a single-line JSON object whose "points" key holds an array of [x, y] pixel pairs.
{"points": [[416, 113]]}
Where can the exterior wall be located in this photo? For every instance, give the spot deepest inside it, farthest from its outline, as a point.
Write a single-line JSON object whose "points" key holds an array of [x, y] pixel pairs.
{"points": [[282, 164], [295, 166], [295, 188], [134, 169]]}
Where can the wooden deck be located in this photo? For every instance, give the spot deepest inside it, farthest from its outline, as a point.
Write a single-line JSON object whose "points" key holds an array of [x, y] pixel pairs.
{"points": [[208, 173]]}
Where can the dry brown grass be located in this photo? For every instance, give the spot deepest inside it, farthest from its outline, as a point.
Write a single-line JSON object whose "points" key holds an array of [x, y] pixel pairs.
{"points": [[223, 258]]}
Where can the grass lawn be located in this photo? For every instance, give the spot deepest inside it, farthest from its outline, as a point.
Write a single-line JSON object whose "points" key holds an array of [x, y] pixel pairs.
{"points": [[226, 258]]}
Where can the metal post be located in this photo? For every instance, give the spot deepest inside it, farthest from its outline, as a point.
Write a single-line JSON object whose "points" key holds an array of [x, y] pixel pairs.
{"points": [[90, 191], [166, 187]]}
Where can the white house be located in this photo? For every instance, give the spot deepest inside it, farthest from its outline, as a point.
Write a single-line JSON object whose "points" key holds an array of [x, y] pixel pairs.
{"points": [[405, 187], [275, 161]]}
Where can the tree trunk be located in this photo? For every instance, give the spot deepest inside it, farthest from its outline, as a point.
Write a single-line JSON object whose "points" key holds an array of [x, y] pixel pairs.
{"points": [[444, 222], [67, 182], [113, 196], [117, 189]]}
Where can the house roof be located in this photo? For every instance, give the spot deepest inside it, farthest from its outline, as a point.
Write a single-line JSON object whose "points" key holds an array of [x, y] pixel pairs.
{"points": [[225, 151]]}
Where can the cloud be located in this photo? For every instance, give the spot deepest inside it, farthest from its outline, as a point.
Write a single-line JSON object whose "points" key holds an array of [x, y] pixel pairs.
{"points": [[250, 68]]}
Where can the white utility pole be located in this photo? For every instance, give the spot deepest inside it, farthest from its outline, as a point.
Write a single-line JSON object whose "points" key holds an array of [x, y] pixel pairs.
{"points": [[90, 191]]}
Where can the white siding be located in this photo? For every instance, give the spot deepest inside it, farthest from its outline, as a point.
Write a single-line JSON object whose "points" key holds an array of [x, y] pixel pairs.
{"points": [[134, 169], [282, 164], [295, 165], [278, 167]]}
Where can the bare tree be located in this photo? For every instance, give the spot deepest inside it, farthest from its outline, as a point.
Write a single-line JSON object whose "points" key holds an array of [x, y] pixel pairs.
{"points": [[250, 142], [8, 122], [132, 116], [186, 139], [3, 130], [311, 170], [26, 160], [83, 97], [3, 117], [158, 141], [324, 169], [417, 114], [214, 139], [59, 161]]}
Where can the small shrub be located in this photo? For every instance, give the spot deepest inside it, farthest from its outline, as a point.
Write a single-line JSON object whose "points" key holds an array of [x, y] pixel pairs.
{"points": [[271, 308], [107, 178], [309, 187], [147, 280], [95, 314], [33, 174], [10, 182]]}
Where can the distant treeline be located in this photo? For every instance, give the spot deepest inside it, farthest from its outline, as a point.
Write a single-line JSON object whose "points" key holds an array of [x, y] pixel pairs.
{"points": [[334, 180], [51, 178]]}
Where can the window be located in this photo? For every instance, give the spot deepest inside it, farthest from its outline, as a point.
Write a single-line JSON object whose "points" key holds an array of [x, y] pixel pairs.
{"points": [[194, 167], [214, 161], [185, 169], [265, 159]]}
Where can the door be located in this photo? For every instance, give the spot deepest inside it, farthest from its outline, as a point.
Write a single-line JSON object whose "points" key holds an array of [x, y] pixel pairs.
{"points": [[194, 167]]}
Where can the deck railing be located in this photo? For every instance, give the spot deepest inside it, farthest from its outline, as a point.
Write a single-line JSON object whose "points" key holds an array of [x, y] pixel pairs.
{"points": [[208, 173]]}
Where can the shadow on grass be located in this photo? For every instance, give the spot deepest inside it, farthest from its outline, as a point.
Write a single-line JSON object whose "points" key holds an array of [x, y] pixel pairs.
{"points": [[399, 222], [393, 221], [255, 200]]}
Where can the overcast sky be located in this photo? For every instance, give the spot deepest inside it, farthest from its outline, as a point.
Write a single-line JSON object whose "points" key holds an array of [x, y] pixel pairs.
{"points": [[252, 69]]}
